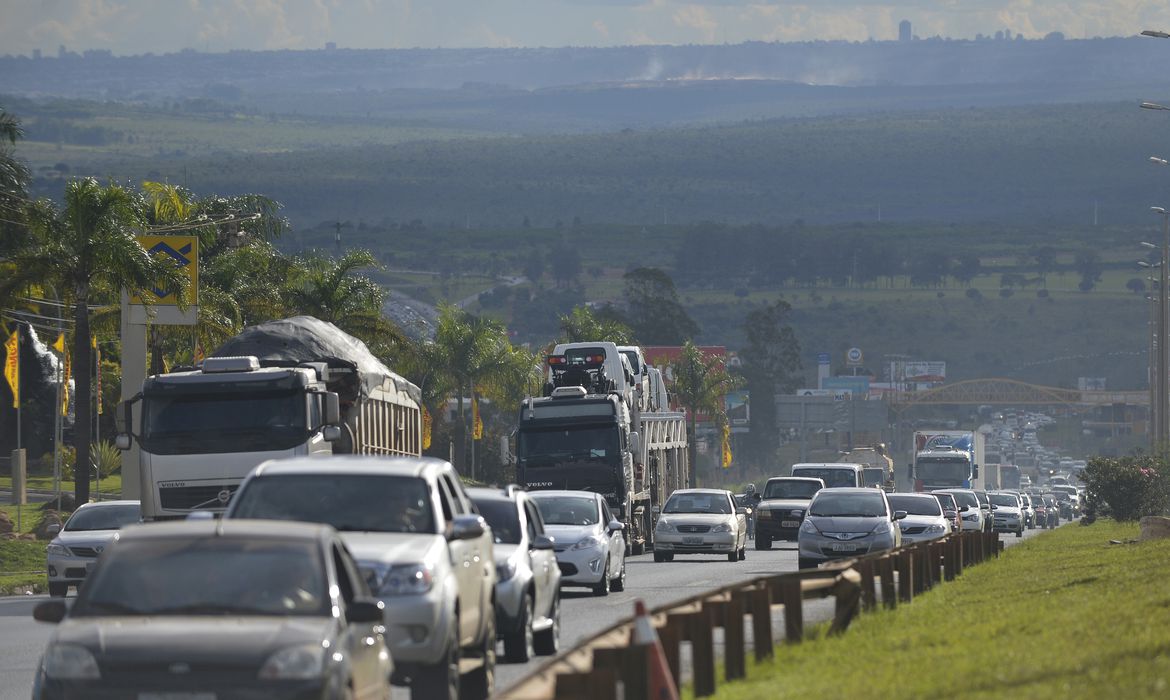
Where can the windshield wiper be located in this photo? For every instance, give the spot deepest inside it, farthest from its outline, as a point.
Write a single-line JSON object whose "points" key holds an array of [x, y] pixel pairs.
{"points": [[210, 609], [111, 606]]}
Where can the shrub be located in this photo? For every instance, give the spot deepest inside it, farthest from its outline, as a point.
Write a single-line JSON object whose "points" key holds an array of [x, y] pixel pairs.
{"points": [[1126, 488]]}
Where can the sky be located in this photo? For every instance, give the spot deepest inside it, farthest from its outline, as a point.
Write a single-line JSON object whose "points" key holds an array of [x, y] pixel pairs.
{"points": [[129, 27]]}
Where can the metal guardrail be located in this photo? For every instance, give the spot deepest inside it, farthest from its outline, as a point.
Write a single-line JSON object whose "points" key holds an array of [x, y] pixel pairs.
{"points": [[594, 668]]}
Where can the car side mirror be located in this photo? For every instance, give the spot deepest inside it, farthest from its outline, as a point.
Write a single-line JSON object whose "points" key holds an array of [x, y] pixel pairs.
{"points": [[366, 611], [467, 527], [50, 611], [900, 515], [542, 543], [655, 509], [994, 507], [53, 529], [741, 511], [616, 526], [964, 509]]}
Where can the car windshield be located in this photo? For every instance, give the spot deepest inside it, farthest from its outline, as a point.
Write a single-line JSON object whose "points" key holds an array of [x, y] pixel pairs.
{"points": [[567, 510], [915, 505], [111, 517], [348, 502], [697, 503], [802, 490], [947, 501], [207, 576], [503, 518], [833, 477], [983, 499], [860, 505], [966, 498], [1004, 499]]}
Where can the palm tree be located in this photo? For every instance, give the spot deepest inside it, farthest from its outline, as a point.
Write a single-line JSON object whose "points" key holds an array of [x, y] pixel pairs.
{"points": [[13, 193], [700, 383], [89, 251], [470, 351], [583, 325]]}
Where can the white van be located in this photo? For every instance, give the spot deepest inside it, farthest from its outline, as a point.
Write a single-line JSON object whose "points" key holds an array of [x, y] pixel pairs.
{"points": [[834, 474]]}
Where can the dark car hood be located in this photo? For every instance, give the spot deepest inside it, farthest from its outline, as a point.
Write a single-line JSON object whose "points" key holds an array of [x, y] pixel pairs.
{"points": [[843, 524], [784, 504], [241, 641]]}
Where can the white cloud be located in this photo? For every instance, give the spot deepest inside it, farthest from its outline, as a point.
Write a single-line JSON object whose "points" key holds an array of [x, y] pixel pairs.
{"points": [[601, 28], [697, 17]]}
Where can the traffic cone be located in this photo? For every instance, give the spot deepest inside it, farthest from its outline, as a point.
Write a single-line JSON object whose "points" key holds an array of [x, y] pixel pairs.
{"points": [[661, 684]]}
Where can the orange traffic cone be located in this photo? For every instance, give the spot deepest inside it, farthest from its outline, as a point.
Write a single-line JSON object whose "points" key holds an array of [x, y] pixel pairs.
{"points": [[661, 685]]}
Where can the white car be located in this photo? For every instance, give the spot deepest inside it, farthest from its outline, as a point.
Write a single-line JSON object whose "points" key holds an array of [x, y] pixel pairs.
{"points": [[1009, 512], [419, 543], [75, 549], [701, 521], [924, 517], [589, 541], [972, 514]]}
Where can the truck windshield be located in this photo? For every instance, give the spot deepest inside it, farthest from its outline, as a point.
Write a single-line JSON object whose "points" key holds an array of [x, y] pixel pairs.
{"points": [[943, 471], [874, 476], [348, 502], [545, 447], [833, 477], [205, 423]]}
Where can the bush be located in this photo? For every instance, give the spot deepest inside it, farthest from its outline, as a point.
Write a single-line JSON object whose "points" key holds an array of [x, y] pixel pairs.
{"points": [[1126, 488]]}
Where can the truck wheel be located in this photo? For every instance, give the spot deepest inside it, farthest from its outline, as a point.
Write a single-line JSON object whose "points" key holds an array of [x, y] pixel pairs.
{"points": [[763, 542], [482, 680], [638, 548], [659, 557], [743, 553], [518, 643]]}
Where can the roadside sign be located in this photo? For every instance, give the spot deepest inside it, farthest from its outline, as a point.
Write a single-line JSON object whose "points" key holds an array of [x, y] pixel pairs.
{"points": [[824, 358], [853, 357], [184, 250]]}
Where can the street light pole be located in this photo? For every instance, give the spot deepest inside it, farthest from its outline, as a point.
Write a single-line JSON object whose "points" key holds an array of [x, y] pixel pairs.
{"points": [[1152, 369], [1163, 401]]}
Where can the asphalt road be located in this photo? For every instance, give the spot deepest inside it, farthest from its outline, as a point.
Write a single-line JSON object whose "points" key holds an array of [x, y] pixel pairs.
{"points": [[583, 614]]}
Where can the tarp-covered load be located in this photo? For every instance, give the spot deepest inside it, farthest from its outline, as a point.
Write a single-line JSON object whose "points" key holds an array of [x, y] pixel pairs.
{"points": [[291, 341]]}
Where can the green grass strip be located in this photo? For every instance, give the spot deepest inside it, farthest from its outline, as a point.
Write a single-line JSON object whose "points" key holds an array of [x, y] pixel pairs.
{"points": [[1064, 615]]}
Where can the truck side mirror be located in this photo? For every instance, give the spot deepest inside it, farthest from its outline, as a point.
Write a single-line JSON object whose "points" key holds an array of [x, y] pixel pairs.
{"points": [[124, 439], [332, 408], [635, 442], [331, 433], [975, 470]]}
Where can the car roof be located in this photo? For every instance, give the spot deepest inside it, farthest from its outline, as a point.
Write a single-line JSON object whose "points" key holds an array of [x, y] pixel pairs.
{"points": [[794, 478], [353, 464], [688, 492], [242, 529], [102, 504], [912, 494], [843, 490], [484, 493], [843, 465]]}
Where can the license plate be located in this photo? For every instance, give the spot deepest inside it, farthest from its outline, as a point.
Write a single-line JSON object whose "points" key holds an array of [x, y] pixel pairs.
{"points": [[844, 547], [789, 523], [692, 540], [176, 696]]}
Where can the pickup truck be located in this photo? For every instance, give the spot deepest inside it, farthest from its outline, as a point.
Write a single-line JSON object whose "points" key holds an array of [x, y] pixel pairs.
{"points": [[782, 508]]}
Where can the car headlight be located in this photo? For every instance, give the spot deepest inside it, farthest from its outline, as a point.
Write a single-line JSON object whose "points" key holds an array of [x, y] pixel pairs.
{"points": [[936, 528], [664, 526], [971, 518], [506, 569], [808, 527], [295, 663], [70, 662], [398, 579], [587, 543], [722, 527], [883, 526], [57, 549]]}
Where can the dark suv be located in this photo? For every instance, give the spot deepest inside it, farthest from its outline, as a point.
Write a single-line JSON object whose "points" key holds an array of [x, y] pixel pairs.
{"points": [[782, 508]]}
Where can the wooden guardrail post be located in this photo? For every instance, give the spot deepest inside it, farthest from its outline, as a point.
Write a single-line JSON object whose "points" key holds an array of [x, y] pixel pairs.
{"points": [[958, 554], [904, 560], [702, 652], [761, 602], [670, 636], [847, 592], [790, 595], [889, 589], [919, 568], [734, 649], [948, 548], [598, 684], [865, 567]]}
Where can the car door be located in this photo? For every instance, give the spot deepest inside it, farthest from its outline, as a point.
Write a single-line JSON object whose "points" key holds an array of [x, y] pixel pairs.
{"points": [[363, 642], [617, 540], [740, 523], [542, 561], [465, 558]]}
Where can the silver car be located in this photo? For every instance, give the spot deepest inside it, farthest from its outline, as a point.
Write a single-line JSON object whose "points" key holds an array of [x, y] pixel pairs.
{"points": [[972, 518], [590, 541], [925, 519], [701, 521], [75, 549], [1009, 514], [847, 522], [528, 599]]}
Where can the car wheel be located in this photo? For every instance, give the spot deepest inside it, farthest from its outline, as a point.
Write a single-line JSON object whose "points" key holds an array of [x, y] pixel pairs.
{"points": [[440, 681], [763, 542], [58, 590], [518, 644], [743, 553], [638, 548], [482, 680], [659, 557], [619, 583], [602, 586], [733, 556], [547, 641]]}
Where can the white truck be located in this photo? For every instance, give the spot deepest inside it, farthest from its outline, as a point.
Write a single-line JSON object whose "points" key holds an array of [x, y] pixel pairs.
{"points": [[292, 387], [947, 459], [584, 436]]}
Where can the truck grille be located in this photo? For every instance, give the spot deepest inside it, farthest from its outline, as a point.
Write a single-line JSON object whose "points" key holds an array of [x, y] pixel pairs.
{"points": [[194, 497]]}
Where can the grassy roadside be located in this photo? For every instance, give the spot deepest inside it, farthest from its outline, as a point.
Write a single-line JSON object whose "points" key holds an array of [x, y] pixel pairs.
{"points": [[111, 486], [1064, 615], [22, 562]]}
